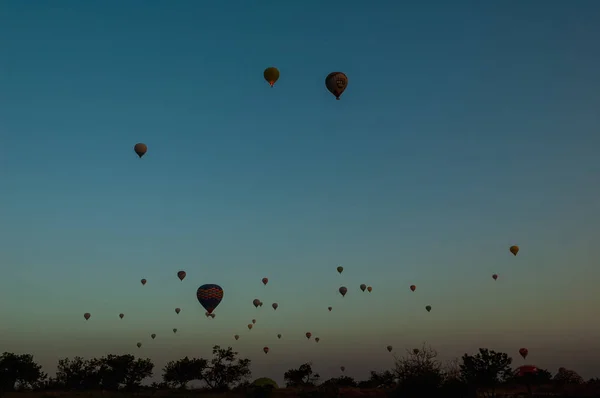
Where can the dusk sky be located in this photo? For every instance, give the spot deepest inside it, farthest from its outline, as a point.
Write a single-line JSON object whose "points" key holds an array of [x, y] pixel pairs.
{"points": [[466, 127]]}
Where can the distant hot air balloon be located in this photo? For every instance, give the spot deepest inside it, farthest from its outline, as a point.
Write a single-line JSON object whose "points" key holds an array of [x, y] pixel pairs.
{"points": [[524, 352], [209, 296], [175, 330], [343, 368], [271, 75], [177, 310], [139, 345], [153, 335], [413, 287], [340, 269], [254, 321], [256, 302], [428, 308], [514, 249], [181, 275], [274, 305], [250, 326], [279, 336], [260, 305], [363, 287], [143, 281], [265, 281], [390, 348], [336, 83], [121, 316], [308, 334], [87, 315], [495, 276], [369, 289], [317, 339], [237, 337], [329, 308], [140, 149], [266, 350], [343, 290]]}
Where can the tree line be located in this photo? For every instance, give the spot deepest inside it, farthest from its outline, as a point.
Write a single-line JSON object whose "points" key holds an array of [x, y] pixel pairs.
{"points": [[417, 373]]}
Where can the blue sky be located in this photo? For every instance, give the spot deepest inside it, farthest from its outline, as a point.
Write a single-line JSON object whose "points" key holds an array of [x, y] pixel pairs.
{"points": [[466, 128]]}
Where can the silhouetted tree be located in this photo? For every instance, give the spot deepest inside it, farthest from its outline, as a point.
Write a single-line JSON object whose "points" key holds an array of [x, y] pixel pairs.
{"points": [[486, 369], [123, 371], [418, 372], [19, 371], [225, 369], [179, 373], [385, 379], [342, 381], [566, 376], [77, 374], [303, 376]]}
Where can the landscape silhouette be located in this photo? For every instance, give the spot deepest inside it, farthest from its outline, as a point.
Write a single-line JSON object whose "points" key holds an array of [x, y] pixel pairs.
{"points": [[299, 199]]}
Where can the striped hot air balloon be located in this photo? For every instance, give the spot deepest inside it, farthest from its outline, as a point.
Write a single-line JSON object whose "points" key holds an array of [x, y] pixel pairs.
{"points": [[209, 296]]}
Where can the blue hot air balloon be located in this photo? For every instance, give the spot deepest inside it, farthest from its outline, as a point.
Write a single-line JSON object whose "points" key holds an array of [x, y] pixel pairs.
{"points": [[209, 296]]}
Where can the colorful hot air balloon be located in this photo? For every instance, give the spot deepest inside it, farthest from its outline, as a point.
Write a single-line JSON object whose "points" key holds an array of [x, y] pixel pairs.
{"points": [[266, 350], [343, 290], [87, 315], [181, 275], [175, 330], [254, 321], [329, 308], [495, 276], [343, 368], [514, 249], [428, 308], [413, 287], [143, 281], [265, 281], [250, 326], [140, 149], [524, 352], [317, 339], [274, 305], [256, 302], [336, 83], [308, 334], [209, 296], [369, 289], [390, 348], [177, 310], [121, 316], [363, 287], [271, 75], [279, 336], [237, 337], [139, 345], [340, 269], [153, 335]]}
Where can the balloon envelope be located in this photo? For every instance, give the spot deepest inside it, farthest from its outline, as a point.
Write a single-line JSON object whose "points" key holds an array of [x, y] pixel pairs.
{"points": [[181, 275], [140, 149], [209, 296], [336, 83], [271, 75]]}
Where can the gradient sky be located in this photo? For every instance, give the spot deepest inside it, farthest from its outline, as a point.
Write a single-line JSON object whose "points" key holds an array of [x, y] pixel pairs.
{"points": [[467, 127]]}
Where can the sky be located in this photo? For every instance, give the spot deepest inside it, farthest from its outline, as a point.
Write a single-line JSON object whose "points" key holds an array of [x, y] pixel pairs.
{"points": [[466, 127]]}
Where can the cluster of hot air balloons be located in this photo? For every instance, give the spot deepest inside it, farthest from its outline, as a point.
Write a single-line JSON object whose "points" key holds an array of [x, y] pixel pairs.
{"points": [[336, 82]]}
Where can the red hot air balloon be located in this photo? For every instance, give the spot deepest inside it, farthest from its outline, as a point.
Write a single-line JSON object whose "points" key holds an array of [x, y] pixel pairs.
{"points": [[413, 287], [495, 276], [87, 315], [308, 334], [266, 350], [343, 290], [181, 275], [524, 352], [121, 316], [140, 149], [369, 289], [143, 281], [265, 281], [336, 83]]}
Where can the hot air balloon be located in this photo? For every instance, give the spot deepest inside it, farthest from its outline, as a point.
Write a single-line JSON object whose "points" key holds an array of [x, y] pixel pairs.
{"points": [[343, 290], [329, 308], [390, 348], [209, 296], [279, 336], [250, 326], [317, 339], [363, 287], [177, 310], [514, 250], [266, 350], [271, 75], [121, 316], [143, 281], [274, 305], [308, 334], [524, 352], [254, 321], [336, 83], [369, 289], [265, 281], [495, 276], [153, 335], [87, 315], [260, 304], [256, 302], [175, 330], [181, 275], [139, 345], [343, 368], [340, 269], [140, 149], [428, 308], [413, 287], [237, 337]]}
